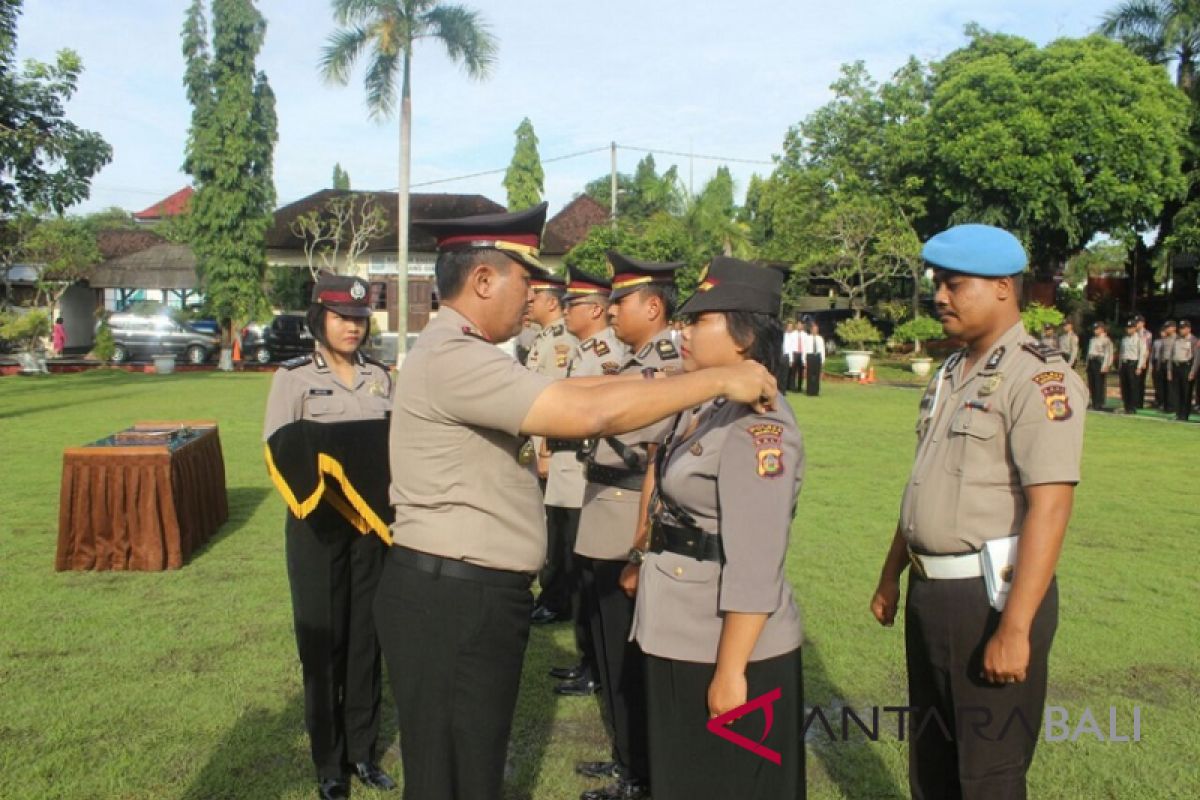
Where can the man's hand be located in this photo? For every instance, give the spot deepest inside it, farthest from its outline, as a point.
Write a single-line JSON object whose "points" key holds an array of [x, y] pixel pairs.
{"points": [[749, 382], [629, 579], [726, 692], [885, 601], [543, 466], [1006, 657]]}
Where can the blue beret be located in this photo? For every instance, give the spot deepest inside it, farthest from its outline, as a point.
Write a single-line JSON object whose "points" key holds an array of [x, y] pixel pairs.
{"points": [[976, 250]]}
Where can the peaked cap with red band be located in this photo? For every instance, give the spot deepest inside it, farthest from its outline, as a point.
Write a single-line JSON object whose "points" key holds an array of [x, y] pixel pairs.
{"points": [[517, 234], [629, 274], [730, 284], [344, 294], [581, 284], [547, 281]]}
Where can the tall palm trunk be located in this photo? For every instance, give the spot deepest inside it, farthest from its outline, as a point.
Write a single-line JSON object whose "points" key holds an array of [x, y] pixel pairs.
{"points": [[402, 232]]}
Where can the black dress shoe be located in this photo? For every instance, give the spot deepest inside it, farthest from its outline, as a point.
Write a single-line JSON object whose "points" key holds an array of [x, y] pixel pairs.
{"points": [[567, 673], [580, 687], [544, 616], [371, 775], [333, 789], [621, 789], [596, 769]]}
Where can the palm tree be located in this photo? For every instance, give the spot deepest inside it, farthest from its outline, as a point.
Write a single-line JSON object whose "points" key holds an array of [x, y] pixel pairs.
{"points": [[385, 31], [1161, 31]]}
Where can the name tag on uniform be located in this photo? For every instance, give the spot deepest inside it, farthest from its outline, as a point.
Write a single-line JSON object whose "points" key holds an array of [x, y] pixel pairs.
{"points": [[320, 392]]}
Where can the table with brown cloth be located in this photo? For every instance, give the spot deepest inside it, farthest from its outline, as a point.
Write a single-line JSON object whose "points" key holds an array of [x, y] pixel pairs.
{"points": [[141, 506]]}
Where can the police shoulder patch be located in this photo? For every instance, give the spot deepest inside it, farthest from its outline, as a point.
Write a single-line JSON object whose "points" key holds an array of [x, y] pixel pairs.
{"points": [[1044, 352], [298, 361], [1042, 378], [666, 349], [1058, 405], [768, 446]]}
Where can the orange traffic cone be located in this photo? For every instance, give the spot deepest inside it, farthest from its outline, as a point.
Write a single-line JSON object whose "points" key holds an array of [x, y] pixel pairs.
{"points": [[237, 348], [871, 375], [862, 377]]}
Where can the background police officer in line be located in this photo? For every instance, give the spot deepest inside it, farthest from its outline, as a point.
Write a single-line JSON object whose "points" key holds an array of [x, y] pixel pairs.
{"points": [[599, 353], [333, 566], [453, 604], [1100, 357], [1160, 366], [1183, 369], [614, 512], [1135, 358], [999, 443], [1068, 343], [550, 354]]}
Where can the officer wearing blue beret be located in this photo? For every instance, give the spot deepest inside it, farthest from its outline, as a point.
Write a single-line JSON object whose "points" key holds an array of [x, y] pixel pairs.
{"points": [[982, 521]]}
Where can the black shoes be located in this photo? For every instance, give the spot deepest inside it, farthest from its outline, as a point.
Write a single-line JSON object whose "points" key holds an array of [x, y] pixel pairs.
{"points": [[544, 616], [597, 769], [567, 673], [621, 789], [333, 789], [371, 775], [582, 686]]}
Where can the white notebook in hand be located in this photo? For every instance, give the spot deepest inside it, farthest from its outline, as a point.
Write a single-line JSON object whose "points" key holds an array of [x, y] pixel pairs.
{"points": [[999, 556]]}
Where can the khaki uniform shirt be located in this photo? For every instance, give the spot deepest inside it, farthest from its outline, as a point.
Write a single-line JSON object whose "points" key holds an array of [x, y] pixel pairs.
{"points": [[1181, 349], [1133, 348], [1069, 344], [1015, 420], [737, 475], [306, 388], [1160, 353], [551, 354], [457, 487], [608, 521]]}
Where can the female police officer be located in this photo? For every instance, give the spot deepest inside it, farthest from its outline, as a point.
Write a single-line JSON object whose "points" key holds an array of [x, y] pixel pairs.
{"points": [[326, 432], [715, 613]]}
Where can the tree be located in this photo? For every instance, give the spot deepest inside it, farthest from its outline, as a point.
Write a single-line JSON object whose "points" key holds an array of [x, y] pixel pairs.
{"points": [[341, 178], [46, 161], [339, 232], [643, 194], [66, 251], [390, 29], [712, 219], [229, 153], [1163, 32], [525, 181]]}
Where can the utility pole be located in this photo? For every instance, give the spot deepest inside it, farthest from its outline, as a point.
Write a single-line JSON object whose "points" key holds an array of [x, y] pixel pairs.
{"points": [[613, 188]]}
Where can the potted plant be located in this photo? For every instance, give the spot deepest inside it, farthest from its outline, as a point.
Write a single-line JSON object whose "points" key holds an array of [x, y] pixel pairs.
{"points": [[27, 331], [858, 331], [916, 330]]}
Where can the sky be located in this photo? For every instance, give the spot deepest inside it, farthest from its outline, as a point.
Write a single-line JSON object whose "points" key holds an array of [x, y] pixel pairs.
{"points": [[682, 76]]}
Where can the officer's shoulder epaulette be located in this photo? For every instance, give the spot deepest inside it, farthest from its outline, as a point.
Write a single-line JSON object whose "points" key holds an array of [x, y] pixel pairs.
{"points": [[375, 362], [558, 329], [1044, 352], [298, 361]]}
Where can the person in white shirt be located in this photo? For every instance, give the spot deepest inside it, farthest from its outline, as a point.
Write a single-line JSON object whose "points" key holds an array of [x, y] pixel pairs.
{"points": [[793, 360], [814, 356]]}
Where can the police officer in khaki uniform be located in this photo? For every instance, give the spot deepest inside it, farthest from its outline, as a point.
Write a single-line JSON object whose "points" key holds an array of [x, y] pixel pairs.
{"points": [[1183, 373], [1135, 358], [599, 353], [453, 604], [550, 354], [1100, 357], [1160, 366], [999, 442], [715, 612], [1068, 343], [640, 308], [329, 408]]}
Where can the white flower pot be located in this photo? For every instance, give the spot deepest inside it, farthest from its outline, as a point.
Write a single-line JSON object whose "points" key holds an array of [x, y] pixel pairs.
{"points": [[921, 366], [857, 361]]}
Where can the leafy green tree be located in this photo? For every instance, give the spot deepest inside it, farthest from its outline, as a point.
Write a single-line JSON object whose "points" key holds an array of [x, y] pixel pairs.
{"points": [[229, 153], [713, 219], [47, 162], [1036, 317], [643, 194], [341, 178], [1163, 32], [525, 181], [917, 330], [111, 218], [65, 248], [389, 29]]}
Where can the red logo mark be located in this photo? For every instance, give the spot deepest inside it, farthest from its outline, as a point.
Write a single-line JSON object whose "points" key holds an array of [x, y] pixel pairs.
{"points": [[765, 702]]}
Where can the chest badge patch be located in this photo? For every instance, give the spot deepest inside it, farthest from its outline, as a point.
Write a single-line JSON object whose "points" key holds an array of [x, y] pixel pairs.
{"points": [[610, 367], [696, 449], [991, 384], [376, 389], [1058, 406], [768, 445]]}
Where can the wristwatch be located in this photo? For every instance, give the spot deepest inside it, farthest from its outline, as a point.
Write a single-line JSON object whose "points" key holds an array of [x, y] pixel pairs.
{"points": [[636, 556]]}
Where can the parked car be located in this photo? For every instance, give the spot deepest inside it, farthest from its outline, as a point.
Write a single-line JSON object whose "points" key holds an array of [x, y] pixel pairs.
{"points": [[284, 337], [141, 337], [209, 326]]}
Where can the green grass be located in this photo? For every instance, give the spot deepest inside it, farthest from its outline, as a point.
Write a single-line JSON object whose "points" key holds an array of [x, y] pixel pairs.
{"points": [[186, 684]]}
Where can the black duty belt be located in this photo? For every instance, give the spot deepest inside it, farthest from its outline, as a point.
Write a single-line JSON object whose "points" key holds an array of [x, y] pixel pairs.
{"points": [[563, 445], [453, 568], [691, 542], [612, 476]]}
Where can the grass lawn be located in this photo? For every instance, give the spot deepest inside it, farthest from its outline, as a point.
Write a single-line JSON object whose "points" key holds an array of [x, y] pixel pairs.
{"points": [[186, 684]]}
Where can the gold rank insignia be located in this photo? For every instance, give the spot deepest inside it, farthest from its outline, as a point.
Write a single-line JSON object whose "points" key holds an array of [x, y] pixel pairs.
{"points": [[665, 349], [376, 389], [991, 384], [768, 442], [602, 348]]}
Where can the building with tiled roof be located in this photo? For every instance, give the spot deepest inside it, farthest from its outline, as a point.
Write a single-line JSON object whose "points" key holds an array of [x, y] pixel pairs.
{"points": [[171, 206]]}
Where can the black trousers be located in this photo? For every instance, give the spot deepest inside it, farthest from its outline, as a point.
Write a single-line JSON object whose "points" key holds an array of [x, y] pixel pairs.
{"points": [[1141, 388], [1096, 382], [1162, 388], [689, 762], [1129, 386], [969, 738], [333, 571], [783, 372], [814, 374], [620, 666], [1181, 390], [583, 603], [795, 372], [454, 650], [559, 576]]}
